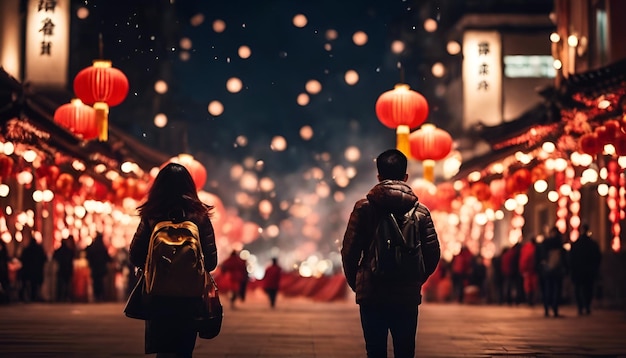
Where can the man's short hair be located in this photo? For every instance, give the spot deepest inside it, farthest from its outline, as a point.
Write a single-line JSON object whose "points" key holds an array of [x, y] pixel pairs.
{"points": [[391, 164]]}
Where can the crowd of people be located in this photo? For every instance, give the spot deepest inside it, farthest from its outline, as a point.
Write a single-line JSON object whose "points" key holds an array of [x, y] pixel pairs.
{"points": [[88, 275], [534, 271], [24, 274]]}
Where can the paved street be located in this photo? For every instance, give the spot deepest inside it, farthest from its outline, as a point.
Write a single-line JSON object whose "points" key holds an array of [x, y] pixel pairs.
{"points": [[300, 328]]}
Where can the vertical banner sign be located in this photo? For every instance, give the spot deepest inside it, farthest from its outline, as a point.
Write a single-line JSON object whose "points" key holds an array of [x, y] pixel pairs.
{"points": [[47, 42], [482, 78]]}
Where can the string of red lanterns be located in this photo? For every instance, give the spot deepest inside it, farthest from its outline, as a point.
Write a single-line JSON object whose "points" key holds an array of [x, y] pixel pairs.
{"points": [[102, 86]]}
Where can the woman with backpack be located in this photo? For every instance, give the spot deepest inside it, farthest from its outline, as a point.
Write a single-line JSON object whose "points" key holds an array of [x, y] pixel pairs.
{"points": [[171, 330]]}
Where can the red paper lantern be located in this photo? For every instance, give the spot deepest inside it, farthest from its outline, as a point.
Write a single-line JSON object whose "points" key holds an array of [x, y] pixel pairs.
{"points": [[604, 136], [195, 168], [430, 142], [519, 181], [612, 128], [402, 109], [101, 86], [78, 118], [6, 166], [589, 144], [481, 191]]}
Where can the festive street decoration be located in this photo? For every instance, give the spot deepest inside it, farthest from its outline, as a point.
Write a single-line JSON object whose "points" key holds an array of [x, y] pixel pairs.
{"points": [[78, 118], [402, 109], [102, 86], [430, 144]]}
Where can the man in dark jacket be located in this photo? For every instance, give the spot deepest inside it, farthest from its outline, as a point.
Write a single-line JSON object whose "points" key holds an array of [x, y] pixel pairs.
{"points": [[585, 258], [387, 305]]}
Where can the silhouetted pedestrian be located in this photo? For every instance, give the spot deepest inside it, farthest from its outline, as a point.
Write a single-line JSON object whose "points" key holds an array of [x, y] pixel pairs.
{"points": [[461, 269], [512, 281], [33, 259], [98, 258], [553, 263], [585, 257], [4, 273], [528, 269], [236, 271], [271, 281], [64, 257]]}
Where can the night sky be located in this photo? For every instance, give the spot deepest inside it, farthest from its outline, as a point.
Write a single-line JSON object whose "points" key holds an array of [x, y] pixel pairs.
{"points": [[177, 42]]}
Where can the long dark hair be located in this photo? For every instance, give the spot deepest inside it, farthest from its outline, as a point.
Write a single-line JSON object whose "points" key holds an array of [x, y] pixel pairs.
{"points": [[173, 187]]}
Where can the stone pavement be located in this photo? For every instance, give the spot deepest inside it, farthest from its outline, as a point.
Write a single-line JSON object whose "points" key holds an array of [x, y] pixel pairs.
{"points": [[301, 328]]}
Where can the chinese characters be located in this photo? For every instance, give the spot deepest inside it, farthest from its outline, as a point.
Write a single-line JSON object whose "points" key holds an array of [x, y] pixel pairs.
{"points": [[47, 27]]}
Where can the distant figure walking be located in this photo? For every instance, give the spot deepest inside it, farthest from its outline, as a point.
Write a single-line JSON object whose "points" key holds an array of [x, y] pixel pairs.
{"points": [[271, 281], [553, 263], [585, 257], [98, 258], [33, 260], [64, 258], [461, 270], [236, 271], [528, 269]]}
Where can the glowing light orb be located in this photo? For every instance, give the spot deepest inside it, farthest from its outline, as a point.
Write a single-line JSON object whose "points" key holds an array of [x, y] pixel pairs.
{"points": [[438, 70], [219, 26], [185, 43], [160, 87], [453, 48], [331, 34], [300, 21], [397, 47], [196, 20], [430, 25], [82, 13], [279, 143], [359, 38], [352, 154], [306, 132], [234, 85], [216, 108], [160, 120], [303, 99], [313, 86], [244, 52], [351, 77]]}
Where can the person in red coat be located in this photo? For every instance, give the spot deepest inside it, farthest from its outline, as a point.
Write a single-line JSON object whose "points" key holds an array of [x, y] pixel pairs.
{"points": [[528, 269], [235, 270], [271, 281]]}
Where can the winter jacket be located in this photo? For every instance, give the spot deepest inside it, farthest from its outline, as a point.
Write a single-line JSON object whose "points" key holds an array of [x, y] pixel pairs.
{"points": [[387, 196]]}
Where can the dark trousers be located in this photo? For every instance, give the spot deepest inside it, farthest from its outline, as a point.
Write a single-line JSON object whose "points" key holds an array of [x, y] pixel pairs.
{"points": [[458, 286], [584, 295], [378, 320], [552, 293], [64, 289], [98, 288], [272, 293]]}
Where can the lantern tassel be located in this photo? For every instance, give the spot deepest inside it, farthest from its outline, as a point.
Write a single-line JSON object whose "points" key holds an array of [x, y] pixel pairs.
{"points": [[429, 170], [102, 120], [402, 140]]}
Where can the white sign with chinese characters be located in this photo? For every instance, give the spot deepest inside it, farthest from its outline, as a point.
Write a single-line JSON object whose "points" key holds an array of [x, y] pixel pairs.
{"points": [[482, 78], [47, 42]]}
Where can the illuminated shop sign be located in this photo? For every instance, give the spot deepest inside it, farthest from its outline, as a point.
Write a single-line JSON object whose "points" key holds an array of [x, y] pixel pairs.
{"points": [[47, 42], [482, 78], [520, 66]]}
